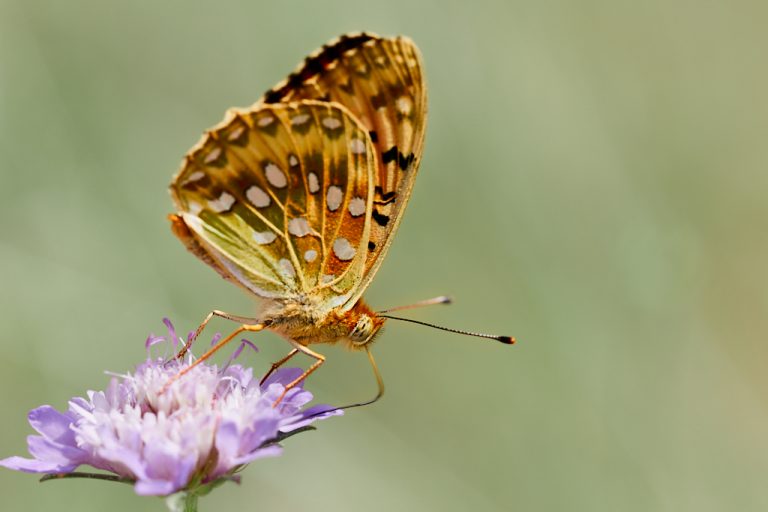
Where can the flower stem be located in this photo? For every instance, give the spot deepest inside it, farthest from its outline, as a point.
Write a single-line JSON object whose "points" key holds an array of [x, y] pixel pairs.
{"points": [[95, 476], [182, 502]]}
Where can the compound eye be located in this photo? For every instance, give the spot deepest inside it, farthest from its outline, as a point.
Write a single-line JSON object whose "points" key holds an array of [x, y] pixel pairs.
{"points": [[362, 331]]}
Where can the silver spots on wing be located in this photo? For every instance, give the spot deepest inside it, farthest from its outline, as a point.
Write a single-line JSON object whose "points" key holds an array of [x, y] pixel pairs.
{"points": [[331, 123], [333, 198], [212, 156], [313, 182], [275, 176], [299, 227], [343, 249], [299, 119], [195, 176], [265, 121], [236, 134], [356, 206], [404, 105], [258, 197], [264, 237], [286, 267], [310, 255], [222, 204], [357, 146]]}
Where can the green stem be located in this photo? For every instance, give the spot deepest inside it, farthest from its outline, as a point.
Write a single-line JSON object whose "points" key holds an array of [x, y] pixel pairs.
{"points": [[93, 476], [182, 502]]}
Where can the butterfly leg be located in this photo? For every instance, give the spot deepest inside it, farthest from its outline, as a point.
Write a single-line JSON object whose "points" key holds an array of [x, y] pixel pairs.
{"points": [[311, 353], [222, 314], [278, 364], [213, 350]]}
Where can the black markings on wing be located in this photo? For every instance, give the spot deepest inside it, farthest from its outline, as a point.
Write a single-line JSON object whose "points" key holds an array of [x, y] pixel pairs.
{"points": [[380, 218], [381, 198], [393, 155], [380, 81], [317, 64]]}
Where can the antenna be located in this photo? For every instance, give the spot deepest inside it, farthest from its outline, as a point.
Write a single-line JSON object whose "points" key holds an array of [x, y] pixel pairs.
{"points": [[379, 394], [507, 340], [443, 299]]}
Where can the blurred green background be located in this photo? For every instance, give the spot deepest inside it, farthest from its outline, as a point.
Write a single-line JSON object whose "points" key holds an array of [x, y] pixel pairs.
{"points": [[594, 183]]}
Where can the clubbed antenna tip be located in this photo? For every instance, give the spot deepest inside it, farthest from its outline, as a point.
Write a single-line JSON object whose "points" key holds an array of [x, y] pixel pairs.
{"points": [[507, 340]]}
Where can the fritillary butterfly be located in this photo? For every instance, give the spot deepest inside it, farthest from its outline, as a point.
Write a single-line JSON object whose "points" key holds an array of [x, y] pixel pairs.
{"points": [[296, 199]]}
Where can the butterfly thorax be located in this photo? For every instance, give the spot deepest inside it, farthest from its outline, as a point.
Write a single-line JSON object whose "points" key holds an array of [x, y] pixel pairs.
{"points": [[301, 322]]}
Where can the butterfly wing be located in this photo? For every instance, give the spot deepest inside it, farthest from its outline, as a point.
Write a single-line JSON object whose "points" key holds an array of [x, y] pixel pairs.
{"points": [[380, 80], [278, 199]]}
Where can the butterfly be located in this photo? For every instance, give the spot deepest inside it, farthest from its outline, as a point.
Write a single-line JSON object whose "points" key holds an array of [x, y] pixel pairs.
{"points": [[297, 198]]}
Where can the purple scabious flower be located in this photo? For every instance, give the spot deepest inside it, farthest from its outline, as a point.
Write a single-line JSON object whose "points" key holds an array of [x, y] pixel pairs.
{"points": [[195, 432]]}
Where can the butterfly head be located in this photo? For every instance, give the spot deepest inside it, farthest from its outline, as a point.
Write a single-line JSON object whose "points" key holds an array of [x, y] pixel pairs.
{"points": [[364, 325]]}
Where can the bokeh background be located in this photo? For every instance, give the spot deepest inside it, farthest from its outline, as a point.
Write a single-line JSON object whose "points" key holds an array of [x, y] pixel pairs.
{"points": [[594, 183]]}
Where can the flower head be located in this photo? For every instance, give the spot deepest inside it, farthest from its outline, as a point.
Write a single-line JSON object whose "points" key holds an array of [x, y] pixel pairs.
{"points": [[197, 430]]}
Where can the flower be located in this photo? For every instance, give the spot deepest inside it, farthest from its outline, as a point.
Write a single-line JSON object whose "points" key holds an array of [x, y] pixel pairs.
{"points": [[196, 431]]}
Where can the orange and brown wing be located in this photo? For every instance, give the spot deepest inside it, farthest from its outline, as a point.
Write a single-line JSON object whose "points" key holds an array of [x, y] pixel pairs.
{"points": [[380, 80]]}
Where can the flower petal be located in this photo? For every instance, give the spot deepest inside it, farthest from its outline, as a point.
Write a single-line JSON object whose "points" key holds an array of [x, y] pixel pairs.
{"points": [[52, 424], [227, 441], [48, 451], [129, 460], [154, 487], [36, 466], [308, 416], [283, 376], [268, 451]]}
